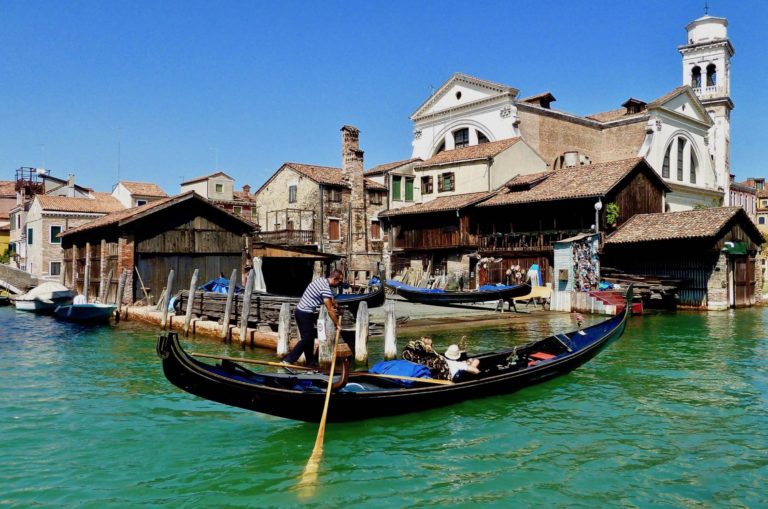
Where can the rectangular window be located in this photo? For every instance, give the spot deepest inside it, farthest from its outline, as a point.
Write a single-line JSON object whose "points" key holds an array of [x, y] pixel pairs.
{"points": [[446, 182], [680, 147], [289, 225], [334, 195], [375, 198], [219, 188], [238, 210], [292, 194], [375, 230], [54, 269], [426, 185], [665, 166], [461, 138], [334, 229], [761, 220], [396, 187], [409, 189], [254, 214], [139, 203], [30, 236], [54, 238]]}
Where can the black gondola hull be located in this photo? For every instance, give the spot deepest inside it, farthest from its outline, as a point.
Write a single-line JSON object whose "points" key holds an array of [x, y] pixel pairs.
{"points": [[448, 298], [253, 391]]}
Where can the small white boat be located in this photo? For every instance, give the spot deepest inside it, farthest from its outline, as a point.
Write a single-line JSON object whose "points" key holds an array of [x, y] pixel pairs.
{"points": [[44, 298], [85, 313]]}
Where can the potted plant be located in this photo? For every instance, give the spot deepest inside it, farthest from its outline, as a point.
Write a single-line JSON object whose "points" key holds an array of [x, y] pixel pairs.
{"points": [[612, 214]]}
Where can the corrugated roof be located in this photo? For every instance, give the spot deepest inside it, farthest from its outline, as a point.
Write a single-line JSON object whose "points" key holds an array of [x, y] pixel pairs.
{"points": [[473, 153], [144, 189], [103, 203], [384, 168], [443, 203], [689, 224], [567, 183]]}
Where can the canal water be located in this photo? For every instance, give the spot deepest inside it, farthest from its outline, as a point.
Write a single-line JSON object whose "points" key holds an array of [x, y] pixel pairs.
{"points": [[674, 414]]}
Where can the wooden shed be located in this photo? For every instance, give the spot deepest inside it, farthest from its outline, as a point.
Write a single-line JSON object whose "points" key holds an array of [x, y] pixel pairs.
{"points": [[183, 233], [710, 251], [288, 270]]}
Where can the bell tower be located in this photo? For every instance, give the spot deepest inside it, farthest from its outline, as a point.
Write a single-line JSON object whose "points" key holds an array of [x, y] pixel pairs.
{"points": [[707, 70]]}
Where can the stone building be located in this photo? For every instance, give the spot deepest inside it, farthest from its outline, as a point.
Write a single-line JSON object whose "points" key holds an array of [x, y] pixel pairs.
{"points": [[7, 202], [684, 135], [219, 189], [48, 217], [333, 210]]}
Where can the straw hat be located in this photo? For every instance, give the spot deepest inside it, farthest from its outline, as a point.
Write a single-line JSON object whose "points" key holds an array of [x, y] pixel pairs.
{"points": [[453, 353]]}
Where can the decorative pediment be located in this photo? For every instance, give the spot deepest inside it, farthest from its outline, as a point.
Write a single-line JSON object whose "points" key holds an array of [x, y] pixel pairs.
{"points": [[462, 90], [682, 101]]}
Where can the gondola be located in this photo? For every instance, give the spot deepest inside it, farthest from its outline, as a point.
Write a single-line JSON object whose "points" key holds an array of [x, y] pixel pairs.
{"points": [[438, 297], [352, 301], [85, 313], [362, 395]]}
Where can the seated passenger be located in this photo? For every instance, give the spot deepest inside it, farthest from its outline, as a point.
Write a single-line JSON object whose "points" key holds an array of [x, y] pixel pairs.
{"points": [[460, 368], [420, 351]]}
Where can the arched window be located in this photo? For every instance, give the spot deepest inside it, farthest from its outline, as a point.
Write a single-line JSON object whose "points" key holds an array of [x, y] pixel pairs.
{"points": [[680, 148], [711, 75], [694, 166], [696, 77], [481, 138], [665, 166], [461, 138], [441, 148]]}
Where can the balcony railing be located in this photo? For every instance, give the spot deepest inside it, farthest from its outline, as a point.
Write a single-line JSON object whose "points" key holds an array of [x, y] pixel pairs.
{"points": [[434, 239], [288, 237], [524, 241]]}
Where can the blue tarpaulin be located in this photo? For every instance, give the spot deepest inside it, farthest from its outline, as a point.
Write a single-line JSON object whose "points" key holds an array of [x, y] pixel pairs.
{"points": [[402, 368], [218, 285]]}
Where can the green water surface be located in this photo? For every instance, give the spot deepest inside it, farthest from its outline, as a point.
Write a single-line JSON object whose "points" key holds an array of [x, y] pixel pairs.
{"points": [[674, 414]]}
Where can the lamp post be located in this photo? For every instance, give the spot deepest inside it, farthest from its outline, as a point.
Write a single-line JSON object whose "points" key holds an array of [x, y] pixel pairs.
{"points": [[598, 208]]}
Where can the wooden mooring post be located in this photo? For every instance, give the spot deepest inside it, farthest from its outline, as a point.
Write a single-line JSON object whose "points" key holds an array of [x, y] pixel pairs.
{"points": [[166, 299], [246, 307], [283, 329], [87, 278], [361, 334], [104, 292], [390, 332], [121, 289], [224, 334], [190, 301]]}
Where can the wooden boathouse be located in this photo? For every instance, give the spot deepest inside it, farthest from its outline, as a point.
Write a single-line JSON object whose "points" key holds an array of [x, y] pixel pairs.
{"points": [[183, 233], [710, 252]]}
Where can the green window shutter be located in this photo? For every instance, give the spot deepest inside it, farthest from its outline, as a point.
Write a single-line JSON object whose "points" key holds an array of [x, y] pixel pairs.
{"points": [[408, 189], [395, 188], [30, 236]]}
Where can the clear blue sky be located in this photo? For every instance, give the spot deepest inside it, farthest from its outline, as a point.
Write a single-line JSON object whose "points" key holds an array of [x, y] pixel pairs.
{"points": [[182, 88]]}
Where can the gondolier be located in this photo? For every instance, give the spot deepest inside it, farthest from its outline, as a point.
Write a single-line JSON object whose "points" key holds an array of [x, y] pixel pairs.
{"points": [[317, 294]]}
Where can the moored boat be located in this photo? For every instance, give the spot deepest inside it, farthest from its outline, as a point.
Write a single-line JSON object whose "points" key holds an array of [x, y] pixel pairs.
{"points": [[367, 395], [85, 313], [44, 298], [437, 297]]}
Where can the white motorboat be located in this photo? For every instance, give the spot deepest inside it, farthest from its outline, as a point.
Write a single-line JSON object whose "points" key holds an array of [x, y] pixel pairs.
{"points": [[44, 298]]}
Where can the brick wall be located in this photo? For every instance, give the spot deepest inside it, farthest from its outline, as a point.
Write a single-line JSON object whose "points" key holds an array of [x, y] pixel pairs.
{"points": [[717, 286]]}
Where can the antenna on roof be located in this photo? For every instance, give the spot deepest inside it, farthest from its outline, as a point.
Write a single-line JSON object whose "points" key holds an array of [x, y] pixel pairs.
{"points": [[706, 7], [432, 89]]}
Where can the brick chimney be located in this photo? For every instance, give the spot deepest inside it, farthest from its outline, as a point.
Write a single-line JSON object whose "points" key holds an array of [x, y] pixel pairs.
{"points": [[352, 170], [247, 189]]}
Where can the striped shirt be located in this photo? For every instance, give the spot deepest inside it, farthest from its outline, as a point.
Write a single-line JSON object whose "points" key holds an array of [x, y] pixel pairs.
{"points": [[316, 292]]}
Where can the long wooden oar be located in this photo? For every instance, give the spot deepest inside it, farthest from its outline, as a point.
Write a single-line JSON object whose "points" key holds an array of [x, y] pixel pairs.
{"points": [[308, 481], [401, 377], [252, 361], [306, 368]]}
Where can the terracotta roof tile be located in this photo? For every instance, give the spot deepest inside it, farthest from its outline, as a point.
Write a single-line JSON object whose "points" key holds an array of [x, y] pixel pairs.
{"points": [[473, 153], [144, 189], [384, 168], [102, 203], [443, 203], [7, 188], [703, 223], [243, 196], [564, 184], [374, 186]]}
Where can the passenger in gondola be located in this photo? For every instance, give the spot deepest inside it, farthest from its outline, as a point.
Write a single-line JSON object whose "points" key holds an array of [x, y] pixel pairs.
{"points": [[421, 352], [460, 369], [317, 294]]}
